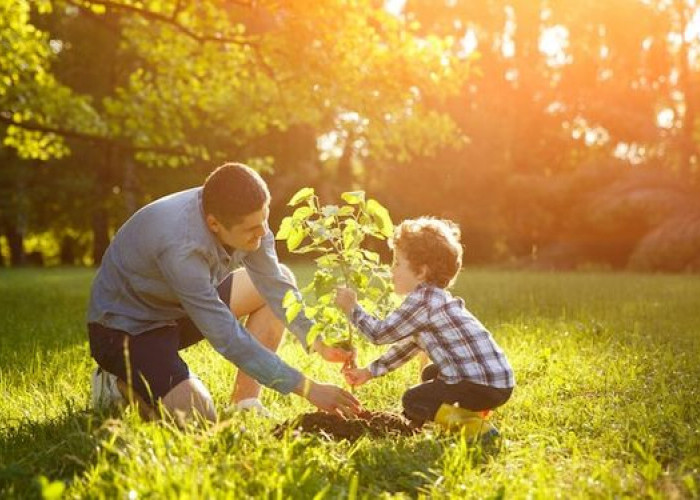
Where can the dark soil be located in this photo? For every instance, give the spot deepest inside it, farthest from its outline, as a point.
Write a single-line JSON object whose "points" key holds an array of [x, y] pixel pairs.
{"points": [[374, 424]]}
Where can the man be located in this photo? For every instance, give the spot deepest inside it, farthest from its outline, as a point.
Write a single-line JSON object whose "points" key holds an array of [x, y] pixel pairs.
{"points": [[165, 283]]}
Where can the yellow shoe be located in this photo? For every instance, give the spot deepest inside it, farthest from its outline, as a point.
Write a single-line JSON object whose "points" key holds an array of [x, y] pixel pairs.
{"points": [[473, 423]]}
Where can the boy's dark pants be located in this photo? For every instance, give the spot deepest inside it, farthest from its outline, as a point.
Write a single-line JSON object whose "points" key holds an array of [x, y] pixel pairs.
{"points": [[421, 402]]}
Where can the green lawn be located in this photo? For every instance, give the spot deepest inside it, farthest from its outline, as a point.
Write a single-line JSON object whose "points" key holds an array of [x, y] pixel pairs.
{"points": [[607, 404]]}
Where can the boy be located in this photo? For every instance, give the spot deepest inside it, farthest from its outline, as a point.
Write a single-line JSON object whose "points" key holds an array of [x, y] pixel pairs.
{"points": [[468, 367]]}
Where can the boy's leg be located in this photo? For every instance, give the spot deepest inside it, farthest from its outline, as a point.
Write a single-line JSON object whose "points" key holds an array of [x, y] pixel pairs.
{"points": [[261, 323], [430, 372], [422, 401]]}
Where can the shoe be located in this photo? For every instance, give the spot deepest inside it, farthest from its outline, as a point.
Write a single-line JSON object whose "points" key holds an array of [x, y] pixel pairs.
{"points": [[472, 423], [105, 393], [250, 405]]}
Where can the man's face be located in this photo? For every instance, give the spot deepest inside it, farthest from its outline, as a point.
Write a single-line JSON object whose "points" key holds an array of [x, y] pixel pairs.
{"points": [[245, 235]]}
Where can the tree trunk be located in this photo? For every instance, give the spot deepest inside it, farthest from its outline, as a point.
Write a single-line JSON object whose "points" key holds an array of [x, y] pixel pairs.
{"points": [[130, 186], [15, 240]]}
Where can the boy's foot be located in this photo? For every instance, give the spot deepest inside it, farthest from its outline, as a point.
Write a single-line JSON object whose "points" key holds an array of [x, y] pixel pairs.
{"points": [[105, 393]]}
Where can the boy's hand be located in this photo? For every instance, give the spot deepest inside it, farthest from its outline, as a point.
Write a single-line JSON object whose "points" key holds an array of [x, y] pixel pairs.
{"points": [[346, 299], [357, 376]]}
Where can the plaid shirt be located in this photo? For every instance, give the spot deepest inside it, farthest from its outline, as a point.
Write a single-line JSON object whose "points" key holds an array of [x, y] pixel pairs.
{"points": [[433, 321]]}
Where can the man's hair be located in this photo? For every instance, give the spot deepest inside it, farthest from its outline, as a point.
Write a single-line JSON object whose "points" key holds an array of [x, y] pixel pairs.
{"points": [[233, 191], [433, 243]]}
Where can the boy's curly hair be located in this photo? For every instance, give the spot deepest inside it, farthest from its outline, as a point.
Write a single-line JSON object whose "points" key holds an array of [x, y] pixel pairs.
{"points": [[434, 243]]}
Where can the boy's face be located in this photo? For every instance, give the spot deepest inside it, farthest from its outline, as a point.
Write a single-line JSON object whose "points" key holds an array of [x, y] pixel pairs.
{"points": [[405, 279], [245, 235]]}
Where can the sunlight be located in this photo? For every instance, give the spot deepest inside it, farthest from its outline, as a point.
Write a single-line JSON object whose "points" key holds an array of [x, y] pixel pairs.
{"points": [[394, 7], [665, 118], [553, 43], [468, 43], [692, 31]]}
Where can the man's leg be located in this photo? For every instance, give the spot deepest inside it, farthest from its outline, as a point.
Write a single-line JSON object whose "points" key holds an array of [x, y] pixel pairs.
{"points": [[188, 398], [261, 323]]}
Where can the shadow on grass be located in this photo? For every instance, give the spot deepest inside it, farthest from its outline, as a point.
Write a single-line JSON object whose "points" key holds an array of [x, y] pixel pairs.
{"points": [[60, 449], [411, 465]]}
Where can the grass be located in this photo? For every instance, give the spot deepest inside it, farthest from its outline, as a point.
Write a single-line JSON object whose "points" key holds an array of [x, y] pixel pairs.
{"points": [[607, 404]]}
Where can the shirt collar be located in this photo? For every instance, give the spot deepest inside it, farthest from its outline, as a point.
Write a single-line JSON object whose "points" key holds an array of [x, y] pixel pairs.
{"points": [[222, 251]]}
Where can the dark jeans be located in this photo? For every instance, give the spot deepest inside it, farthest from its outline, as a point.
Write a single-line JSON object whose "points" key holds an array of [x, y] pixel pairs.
{"points": [[149, 362], [421, 402]]}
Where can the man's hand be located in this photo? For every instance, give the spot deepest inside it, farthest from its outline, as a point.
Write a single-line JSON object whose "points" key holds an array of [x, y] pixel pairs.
{"points": [[357, 376], [330, 398], [346, 299], [334, 354]]}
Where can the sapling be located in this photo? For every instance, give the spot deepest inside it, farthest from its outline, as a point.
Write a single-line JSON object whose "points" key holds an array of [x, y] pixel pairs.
{"points": [[337, 233]]}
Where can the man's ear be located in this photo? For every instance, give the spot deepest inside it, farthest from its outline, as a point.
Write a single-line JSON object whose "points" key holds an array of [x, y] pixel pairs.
{"points": [[212, 223]]}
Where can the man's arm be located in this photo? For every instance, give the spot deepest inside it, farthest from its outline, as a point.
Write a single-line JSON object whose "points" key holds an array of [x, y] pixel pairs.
{"points": [[188, 275]]}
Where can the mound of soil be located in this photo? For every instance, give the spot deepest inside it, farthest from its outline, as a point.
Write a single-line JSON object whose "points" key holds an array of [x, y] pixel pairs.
{"points": [[375, 424]]}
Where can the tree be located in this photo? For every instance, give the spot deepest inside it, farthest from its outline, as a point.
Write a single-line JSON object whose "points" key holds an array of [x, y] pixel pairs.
{"points": [[200, 81]]}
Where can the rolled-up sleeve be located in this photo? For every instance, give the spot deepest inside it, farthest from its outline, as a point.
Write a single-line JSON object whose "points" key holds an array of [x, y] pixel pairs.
{"points": [[267, 276], [189, 276]]}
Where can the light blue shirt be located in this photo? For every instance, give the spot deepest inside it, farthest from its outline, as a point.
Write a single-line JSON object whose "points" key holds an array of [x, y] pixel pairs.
{"points": [[164, 264]]}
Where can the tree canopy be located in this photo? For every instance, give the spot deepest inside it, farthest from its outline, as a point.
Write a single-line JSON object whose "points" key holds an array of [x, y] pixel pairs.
{"points": [[484, 111]]}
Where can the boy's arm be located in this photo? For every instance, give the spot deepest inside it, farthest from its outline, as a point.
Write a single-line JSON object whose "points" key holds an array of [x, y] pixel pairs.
{"points": [[394, 357], [409, 318]]}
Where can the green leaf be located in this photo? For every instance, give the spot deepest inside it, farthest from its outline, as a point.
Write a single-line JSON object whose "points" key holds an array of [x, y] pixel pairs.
{"points": [[289, 298], [285, 228], [330, 210], [302, 213], [292, 311], [324, 285], [296, 236], [51, 489], [302, 195], [351, 236], [314, 332], [353, 197], [330, 260], [371, 256], [346, 210], [381, 218]]}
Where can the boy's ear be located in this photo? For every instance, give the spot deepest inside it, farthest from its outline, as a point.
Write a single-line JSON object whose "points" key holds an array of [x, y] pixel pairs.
{"points": [[423, 272]]}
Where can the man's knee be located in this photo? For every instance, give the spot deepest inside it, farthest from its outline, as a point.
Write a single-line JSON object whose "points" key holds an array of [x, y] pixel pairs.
{"points": [[188, 398]]}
